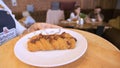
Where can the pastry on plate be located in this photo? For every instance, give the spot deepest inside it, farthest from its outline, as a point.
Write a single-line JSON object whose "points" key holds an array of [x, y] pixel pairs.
{"points": [[51, 42]]}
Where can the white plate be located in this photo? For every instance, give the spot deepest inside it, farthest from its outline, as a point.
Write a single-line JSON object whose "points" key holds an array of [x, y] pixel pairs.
{"points": [[50, 58]]}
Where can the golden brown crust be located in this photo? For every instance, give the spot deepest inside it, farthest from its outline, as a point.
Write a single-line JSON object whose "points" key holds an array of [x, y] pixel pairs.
{"points": [[51, 42]]}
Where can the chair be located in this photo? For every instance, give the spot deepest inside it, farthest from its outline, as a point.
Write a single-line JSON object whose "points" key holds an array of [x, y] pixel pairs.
{"points": [[67, 5], [54, 16], [113, 35], [55, 5], [115, 22]]}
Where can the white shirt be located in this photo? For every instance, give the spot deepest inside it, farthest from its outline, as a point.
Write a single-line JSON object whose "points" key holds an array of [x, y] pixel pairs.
{"points": [[29, 20], [72, 16]]}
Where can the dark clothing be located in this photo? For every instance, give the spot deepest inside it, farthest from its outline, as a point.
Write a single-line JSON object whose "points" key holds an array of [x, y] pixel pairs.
{"points": [[7, 27], [6, 20]]}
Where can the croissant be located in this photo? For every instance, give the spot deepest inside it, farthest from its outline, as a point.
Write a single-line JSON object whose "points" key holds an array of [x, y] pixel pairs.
{"points": [[51, 42]]}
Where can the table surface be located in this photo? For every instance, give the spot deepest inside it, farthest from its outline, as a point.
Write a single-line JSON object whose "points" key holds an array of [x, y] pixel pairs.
{"points": [[100, 54], [73, 24]]}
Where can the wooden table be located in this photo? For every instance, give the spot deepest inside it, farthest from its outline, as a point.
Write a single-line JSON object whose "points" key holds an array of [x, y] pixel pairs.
{"points": [[100, 54], [75, 25], [78, 26]]}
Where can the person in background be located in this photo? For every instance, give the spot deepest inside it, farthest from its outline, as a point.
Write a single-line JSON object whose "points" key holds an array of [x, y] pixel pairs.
{"points": [[95, 16], [10, 27], [75, 15], [27, 19]]}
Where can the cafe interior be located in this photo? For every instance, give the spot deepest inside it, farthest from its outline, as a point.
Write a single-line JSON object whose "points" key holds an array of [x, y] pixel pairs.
{"points": [[59, 33]]}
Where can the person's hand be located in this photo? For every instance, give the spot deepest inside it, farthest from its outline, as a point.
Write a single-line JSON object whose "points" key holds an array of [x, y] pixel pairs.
{"points": [[99, 18]]}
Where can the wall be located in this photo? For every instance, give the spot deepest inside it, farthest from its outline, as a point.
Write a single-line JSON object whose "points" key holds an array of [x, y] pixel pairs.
{"points": [[117, 10], [45, 4], [38, 4], [118, 4]]}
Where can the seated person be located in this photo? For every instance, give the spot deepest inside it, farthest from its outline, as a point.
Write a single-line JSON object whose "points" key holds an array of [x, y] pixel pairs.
{"points": [[10, 27], [75, 15], [95, 16], [27, 19]]}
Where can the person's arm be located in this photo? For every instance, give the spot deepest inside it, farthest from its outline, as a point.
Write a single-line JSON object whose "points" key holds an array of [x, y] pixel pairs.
{"points": [[19, 28], [99, 18], [72, 16]]}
